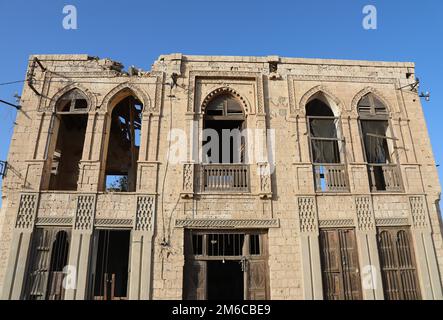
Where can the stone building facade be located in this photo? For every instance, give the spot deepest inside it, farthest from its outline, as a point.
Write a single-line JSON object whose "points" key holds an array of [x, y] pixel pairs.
{"points": [[340, 202]]}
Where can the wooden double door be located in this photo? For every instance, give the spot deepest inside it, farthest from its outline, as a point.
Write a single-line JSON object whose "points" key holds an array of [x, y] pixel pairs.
{"points": [[398, 265], [340, 266], [226, 266]]}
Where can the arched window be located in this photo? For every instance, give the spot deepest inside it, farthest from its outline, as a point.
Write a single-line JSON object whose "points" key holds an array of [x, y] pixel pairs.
{"points": [[66, 148], [374, 125], [124, 144], [224, 160], [322, 133], [223, 123], [326, 146], [378, 144]]}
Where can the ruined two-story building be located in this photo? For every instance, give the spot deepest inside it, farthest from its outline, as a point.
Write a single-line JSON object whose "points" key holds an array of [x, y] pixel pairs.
{"points": [[121, 184]]}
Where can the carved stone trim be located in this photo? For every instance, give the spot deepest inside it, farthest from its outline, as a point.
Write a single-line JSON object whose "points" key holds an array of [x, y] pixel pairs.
{"points": [[418, 212], [294, 107], [257, 76], [223, 90], [365, 215], [140, 93], [85, 212], [54, 221], [392, 222], [336, 223], [144, 217], [307, 212], [265, 180], [319, 89], [114, 223], [92, 100], [27, 211], [364, 92], [188, 179], [228, 223]]}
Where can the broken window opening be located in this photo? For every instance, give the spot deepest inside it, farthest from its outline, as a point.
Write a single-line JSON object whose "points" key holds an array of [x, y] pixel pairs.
{"points": [[124, 146], [111, 259], [66, 150], [377, 143], [72, 102]]}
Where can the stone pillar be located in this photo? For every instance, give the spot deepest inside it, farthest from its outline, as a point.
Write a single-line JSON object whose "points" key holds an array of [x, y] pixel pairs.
{"points": [[370, 271], [79, 253], [141, 249], [310, 249], [426, 258], [20, 247]]}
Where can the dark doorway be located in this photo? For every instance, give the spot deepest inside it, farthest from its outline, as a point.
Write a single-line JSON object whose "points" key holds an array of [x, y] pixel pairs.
{"points": [[110, 280], [225, 280]]}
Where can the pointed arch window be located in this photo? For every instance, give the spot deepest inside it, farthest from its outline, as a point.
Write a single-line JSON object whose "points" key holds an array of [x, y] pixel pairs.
{"points": [[66, 148], [73, 101], [124, 144], [378, 144], [326, 146]]}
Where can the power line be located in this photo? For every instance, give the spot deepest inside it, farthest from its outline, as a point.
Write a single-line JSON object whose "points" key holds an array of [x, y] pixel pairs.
{"points": [[12, 82], [11, 104]]}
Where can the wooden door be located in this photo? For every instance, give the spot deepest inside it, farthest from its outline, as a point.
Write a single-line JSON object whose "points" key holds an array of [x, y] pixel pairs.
{"points": [[49, 257], [256, 280], [398, 265], [195, 274], [340, 267]]}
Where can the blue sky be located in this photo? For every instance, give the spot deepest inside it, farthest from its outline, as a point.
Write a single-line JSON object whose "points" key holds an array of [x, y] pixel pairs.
{"points": [[136, 32]]}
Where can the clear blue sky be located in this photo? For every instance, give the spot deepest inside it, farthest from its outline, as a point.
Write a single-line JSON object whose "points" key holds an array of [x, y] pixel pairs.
{"points": [[136, 32]]}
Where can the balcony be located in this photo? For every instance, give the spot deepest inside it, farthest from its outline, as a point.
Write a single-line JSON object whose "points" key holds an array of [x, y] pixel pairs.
{"points": [[331, 178], [228, 178], [384, 177]]}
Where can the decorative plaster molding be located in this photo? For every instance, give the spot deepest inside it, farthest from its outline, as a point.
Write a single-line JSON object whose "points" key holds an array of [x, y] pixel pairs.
{"points": [[54, 221], [418, 212], [27, 211], [336, 223], [307, 212], [144, 217], [365, 215], [228, 223], [84, 217]]}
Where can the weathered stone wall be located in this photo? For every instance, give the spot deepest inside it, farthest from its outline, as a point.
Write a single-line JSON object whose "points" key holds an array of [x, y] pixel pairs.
{"points": [[271, 100]]}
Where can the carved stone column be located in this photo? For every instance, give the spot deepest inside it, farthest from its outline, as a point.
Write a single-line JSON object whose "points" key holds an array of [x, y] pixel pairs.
{"points": [[79, 253], [424, 249], [20, 247], [141, 249], [366, 235], [310, 249]]}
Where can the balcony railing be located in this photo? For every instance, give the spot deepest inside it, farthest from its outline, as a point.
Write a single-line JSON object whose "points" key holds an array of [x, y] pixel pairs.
{"points": [[384, 177], [224, 178], [331, 178]]}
